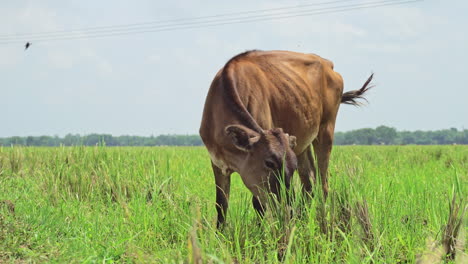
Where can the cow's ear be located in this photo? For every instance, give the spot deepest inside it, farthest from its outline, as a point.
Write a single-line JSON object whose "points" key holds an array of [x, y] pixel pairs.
{"points": [[292, 142], [242, 137]]}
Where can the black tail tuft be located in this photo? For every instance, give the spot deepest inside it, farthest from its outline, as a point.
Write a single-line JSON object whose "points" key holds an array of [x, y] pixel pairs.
{"points": [[351, 97]]}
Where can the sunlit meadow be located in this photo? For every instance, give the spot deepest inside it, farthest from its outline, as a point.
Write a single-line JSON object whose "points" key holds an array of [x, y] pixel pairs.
{"points": [[388, 204]]}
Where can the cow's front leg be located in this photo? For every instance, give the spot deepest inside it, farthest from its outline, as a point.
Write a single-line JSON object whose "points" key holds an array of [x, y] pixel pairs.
{"points": [[223, 186]]}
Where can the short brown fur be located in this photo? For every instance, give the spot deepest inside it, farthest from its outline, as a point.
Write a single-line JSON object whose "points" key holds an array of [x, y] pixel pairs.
{"points": [[254, 95]]}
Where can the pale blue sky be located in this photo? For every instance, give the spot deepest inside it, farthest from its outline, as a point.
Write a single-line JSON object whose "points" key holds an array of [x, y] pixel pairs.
{"points": [[156, 83]]}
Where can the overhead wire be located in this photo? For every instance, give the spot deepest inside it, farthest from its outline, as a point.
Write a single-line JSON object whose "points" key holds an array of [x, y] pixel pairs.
{"points": [[190, 23], [156, 22]]}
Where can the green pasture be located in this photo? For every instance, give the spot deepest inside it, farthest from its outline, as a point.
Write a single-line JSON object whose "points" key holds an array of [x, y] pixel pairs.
{"points": [[387, 204]]}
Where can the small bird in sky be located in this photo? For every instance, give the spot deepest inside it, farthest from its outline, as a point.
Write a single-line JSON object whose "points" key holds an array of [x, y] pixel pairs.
{"points": [[26, 46]]}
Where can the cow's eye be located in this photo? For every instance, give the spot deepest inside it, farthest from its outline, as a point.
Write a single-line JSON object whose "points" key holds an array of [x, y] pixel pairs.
{"points": [[270, 164]]}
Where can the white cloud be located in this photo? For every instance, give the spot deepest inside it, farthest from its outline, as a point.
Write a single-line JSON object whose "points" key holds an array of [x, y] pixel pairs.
{"points": [[380, 47], [339, 27], [10, 56], [154, 58], [402, 21], [103, 67], [60, 59], [35, 18]]}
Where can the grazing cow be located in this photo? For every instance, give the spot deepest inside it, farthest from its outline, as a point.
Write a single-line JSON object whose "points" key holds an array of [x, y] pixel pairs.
{"points": [[263, 112]]}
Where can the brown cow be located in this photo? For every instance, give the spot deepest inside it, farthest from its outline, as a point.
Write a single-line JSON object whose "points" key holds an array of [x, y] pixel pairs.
{"points": [[263, 112]]}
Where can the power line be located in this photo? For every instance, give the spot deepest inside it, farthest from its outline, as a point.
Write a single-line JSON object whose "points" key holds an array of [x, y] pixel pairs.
{"points": [[199, 24], [161, 23], [117, 31], [123, 26]]}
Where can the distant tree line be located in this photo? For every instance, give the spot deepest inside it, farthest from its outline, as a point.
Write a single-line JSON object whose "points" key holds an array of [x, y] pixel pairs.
{"points": [[104, 139], [381, 135], [384, 135]]}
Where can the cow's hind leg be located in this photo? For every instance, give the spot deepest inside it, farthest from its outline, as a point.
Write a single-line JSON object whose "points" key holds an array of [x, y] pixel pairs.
{"points": [[223, 186], [322, 147], [306, 170]]}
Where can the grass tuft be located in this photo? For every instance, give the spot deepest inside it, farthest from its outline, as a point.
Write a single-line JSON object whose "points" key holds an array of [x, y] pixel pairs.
{"points": [[450, 240], [453, 244], [156, 205]]}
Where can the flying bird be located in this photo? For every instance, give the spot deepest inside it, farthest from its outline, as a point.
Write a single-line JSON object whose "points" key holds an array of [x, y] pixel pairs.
{"points": [[26, 46]]}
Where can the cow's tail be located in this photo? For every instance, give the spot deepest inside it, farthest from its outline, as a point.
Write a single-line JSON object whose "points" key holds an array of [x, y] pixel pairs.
{"points": [[351, 97]]}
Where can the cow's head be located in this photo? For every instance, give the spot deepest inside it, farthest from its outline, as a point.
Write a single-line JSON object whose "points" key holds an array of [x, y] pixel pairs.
{"points": [[269, 155]]}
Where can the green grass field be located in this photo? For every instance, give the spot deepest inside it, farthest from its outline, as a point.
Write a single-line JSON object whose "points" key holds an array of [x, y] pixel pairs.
{"points": [[132, 204]]}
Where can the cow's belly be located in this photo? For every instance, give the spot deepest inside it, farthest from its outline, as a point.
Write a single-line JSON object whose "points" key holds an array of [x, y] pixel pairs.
{"points": [[303, 124]]}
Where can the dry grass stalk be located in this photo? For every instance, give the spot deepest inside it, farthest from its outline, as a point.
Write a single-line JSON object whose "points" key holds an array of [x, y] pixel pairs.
{"points": [[362, 214], [286, 230], [453, 241], [195, 254], [9, 205], [16, 160], [322, 218], [460, 255], [344, 216], [452, 229], [433, 254]]}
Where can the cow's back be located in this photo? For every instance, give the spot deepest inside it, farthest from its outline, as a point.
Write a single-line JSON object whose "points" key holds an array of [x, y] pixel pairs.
{"points": [[293, 91]]}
